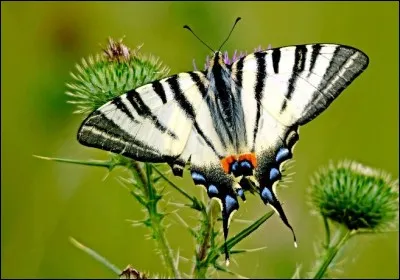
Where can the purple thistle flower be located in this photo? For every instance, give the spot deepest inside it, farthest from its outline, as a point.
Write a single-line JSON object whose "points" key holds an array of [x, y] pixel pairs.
{"points": [[235, 57], [194, 65]]}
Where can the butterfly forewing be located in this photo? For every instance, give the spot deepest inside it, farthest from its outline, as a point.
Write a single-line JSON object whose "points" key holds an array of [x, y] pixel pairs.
{"points": [[296, 83], [150, 123]]}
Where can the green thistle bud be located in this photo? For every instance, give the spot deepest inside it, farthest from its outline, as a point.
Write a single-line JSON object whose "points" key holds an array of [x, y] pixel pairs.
{"points": [[110, 74], [356, 196]]}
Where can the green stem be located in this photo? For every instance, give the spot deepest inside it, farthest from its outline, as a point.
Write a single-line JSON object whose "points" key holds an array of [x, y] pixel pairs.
{"points": [[327, 232], [150, 191], [156, 219], [99, 163], [200, 267], [166, 250], [138, 172], [330, 254]]}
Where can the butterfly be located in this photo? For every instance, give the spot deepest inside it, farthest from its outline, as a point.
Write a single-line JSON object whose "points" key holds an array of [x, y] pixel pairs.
{"points": [[235, 123]]}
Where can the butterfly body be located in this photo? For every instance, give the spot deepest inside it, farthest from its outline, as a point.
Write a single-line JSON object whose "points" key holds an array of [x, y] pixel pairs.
{"points": [[236, 123]]}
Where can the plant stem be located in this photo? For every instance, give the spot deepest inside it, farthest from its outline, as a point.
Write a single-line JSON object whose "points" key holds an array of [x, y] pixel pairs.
{"points": [[327, 232], [99, 163], [330, 254], [137, 172], [166, 250], [200, 267], [156, 223]]}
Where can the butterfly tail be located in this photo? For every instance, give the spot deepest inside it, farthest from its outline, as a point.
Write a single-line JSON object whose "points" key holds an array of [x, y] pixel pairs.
{"points": [[268, 196]]}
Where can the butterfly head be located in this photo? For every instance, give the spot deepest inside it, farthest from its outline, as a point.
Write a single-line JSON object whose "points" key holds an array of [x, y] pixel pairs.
{"points": [[216, 59]]}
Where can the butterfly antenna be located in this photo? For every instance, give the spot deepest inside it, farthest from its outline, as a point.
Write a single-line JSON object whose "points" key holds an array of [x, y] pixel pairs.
{"points": [[188, 28], [233, 27]]}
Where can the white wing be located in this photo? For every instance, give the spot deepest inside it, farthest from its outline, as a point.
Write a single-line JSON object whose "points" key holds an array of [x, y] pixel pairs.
{"points": [[293, 85], [151, 123]]}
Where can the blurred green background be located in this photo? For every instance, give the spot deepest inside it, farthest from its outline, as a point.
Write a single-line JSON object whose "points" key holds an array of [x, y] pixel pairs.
{"points": [[43, 203]]}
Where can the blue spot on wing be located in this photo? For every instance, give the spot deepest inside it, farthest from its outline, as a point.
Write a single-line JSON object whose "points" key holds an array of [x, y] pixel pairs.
{"points": [[282, 154], [240, 192], [230, 204], [198, 178], [213, 189], [266, 194], [274, 174], [245, 164], [234, 166]]}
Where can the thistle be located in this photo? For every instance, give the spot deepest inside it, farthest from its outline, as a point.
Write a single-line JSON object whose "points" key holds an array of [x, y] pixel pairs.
{"points": [[356, 196], [358, 199], [227, 60], [102, 77]]}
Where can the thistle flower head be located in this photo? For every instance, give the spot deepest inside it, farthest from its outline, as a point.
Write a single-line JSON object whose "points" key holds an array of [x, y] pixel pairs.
{"points": [[105, 76], [356, 196], [229, 61], [117, 50]]}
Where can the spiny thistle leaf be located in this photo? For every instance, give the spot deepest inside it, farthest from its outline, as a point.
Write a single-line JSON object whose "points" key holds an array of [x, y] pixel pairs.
{"points": [[95, 255]]}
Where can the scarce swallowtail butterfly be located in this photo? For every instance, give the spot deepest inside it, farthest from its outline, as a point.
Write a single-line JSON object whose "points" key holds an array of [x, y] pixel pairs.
{"points": [[236, 124]]}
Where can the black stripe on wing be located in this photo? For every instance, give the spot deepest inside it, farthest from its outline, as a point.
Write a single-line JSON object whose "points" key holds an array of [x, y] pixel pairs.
{"points": [[159, 89], [122, 107], [315, 52], [276, 57], [143, 110], [99, 131], [338, 60], [223, 105], [259, 89], [187, 108], [332, 84], [298, 67]]}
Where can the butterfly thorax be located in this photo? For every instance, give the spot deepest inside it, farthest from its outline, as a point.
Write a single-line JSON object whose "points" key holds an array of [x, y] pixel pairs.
{"points": [[222, 99]]}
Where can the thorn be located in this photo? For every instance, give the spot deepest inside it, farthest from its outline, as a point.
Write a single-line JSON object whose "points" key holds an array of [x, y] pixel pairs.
{"points": [[106, 176]]}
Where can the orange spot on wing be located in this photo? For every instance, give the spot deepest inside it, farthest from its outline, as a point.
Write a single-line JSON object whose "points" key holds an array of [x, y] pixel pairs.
{"points": [[226, 163], [251, 157]]}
